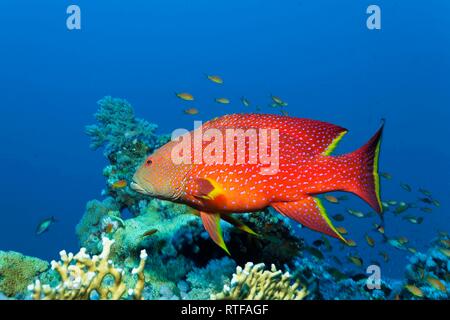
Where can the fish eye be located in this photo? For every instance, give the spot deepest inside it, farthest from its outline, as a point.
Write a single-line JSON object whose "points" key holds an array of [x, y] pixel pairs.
{"points": [[149, 162]]}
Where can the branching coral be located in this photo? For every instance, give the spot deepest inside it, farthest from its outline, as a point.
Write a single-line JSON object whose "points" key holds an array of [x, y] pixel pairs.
{"points": [[255, 283], [83, 277]]}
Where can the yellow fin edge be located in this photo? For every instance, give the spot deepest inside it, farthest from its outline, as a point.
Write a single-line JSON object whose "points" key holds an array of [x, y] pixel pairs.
{"points": [[334, 144], [221, 242], [376, 176], [323, 212]]}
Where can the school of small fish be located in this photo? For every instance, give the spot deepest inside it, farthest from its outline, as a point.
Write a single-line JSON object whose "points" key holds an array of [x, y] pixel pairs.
{"points": [[377, 236], [275, 101]]}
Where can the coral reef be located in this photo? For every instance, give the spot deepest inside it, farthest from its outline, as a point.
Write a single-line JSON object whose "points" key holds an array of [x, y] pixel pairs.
{"points": [[183, 262], [83, 277], [325, 282], [255, 283], [429, 272], [127, 140], [208, 281], [93, 225], [17, 271]]}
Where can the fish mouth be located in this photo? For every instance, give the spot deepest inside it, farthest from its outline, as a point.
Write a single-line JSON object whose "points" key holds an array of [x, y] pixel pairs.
{"points": [[138, 187]]}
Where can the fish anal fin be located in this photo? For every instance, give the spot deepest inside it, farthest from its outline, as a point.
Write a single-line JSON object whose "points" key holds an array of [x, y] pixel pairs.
{"points": [[310, 213], [211, 222]]}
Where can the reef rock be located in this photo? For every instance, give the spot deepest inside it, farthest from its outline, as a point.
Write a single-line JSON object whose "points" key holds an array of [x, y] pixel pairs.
{"points": [[18, 271]]}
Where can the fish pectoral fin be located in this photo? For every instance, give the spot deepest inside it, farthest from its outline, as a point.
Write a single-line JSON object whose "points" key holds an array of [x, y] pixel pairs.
{"points": [[310, 213], [238, 224], [208, 189], [211, 222]]}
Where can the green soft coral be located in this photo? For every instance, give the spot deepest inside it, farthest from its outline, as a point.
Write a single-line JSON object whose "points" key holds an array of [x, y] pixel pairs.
{"points": [[18, 271]]}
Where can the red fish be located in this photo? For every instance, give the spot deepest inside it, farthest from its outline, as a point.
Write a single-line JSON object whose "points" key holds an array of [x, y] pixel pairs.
{"points": [[305, 169]]}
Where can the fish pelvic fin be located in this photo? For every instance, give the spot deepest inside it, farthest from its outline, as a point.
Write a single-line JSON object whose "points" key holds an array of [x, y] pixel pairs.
{"points": [[311, 213], [238, 224], [211, 222]]}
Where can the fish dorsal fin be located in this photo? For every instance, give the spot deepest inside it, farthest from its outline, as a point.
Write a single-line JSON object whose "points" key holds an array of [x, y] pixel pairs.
{"points": [[310, 213], [211, 222], [208, 189], [309, 136]]}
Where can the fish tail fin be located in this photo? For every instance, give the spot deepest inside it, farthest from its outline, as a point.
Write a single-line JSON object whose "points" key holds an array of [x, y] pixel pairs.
{"points": [[361, 170]]}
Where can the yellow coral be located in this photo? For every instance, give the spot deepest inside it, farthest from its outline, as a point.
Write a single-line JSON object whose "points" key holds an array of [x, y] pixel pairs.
{"points": [[81, 275], [255, 283]]}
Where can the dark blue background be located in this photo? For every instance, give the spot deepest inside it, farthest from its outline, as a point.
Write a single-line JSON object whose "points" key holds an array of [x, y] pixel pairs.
{"points": [[318, 55]]}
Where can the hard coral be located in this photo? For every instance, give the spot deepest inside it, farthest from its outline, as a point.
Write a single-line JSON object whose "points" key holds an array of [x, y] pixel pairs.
{"points": [[84, 277], [17, 271], [255, 283]]}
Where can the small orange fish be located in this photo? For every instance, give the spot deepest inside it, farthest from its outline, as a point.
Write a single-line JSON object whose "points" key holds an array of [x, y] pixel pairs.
{"points": [[414, 290], [379, 228], [222, 100], [279, 101], [342, 230], [370, 241], [245, 101], [403, 240], [412, 250], [357, 261], [331, 199], [385, 256], [109, 228], [445, 252], [351, 243], [446, 243], [437, 284], [149, 233], [191, 111], [119, 184], [215, 79], [185, 96]]}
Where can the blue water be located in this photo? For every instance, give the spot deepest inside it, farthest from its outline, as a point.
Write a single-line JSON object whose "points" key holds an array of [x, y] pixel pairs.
{"points": [[317, 55]]}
